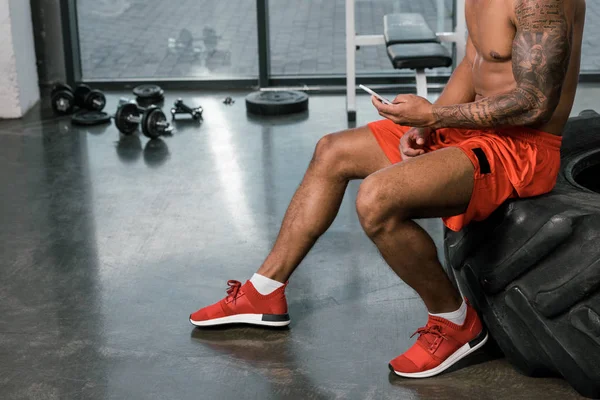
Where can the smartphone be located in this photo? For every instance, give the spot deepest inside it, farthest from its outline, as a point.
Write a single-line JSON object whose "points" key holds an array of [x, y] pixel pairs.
{"points": [[383, 99]]}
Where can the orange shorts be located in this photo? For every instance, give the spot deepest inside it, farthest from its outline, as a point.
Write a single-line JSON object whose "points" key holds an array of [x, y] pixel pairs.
{"points": [[509, 163]]}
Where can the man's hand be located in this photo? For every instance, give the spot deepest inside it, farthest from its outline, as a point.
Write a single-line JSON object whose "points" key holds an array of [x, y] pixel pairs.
{"points": [[413, 142], [407, 109]]}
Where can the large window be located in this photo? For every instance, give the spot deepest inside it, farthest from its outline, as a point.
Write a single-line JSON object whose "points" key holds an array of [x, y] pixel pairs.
{"points": [[156, 39], [308, 37], [210, 39], [590, 53], [218, 40]]}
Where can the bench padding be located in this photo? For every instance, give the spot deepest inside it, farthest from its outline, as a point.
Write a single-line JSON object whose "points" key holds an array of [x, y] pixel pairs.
{"points": [[419, 56]]}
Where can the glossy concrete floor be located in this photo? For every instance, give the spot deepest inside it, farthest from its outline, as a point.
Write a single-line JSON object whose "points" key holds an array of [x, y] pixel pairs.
{"points": [[109, 243]]}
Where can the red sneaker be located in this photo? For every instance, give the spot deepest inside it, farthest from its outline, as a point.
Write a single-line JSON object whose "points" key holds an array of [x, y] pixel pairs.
{"points": [[440, 345], [244, 304]]}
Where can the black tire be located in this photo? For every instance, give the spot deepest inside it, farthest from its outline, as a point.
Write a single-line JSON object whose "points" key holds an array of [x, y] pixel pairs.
{"points": [[532, 270], [276, 102]]}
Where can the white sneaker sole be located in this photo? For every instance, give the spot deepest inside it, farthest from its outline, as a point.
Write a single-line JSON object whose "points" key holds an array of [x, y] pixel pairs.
{"points": [[254, 319], [458, 355]]}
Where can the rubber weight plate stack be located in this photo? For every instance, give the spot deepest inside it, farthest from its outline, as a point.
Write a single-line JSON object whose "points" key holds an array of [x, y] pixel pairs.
{"points": [[149, 94], [276, 102]]}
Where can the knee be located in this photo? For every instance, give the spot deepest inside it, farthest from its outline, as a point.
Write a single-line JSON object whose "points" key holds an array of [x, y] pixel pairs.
{"points": [[371, 206], [328, 154], [378, 210]]}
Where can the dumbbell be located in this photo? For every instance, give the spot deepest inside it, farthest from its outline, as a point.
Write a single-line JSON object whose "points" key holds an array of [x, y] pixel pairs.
{"points": [[93, 100], [179, 107], [153, 120], [62, 99]]}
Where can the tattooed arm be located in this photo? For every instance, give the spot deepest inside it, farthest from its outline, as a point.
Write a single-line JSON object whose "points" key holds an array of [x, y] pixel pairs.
{"points": [[540, 57]]}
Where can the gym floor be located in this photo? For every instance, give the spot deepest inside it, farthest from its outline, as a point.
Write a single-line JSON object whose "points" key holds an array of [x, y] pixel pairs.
{"points": [[108, 244]]}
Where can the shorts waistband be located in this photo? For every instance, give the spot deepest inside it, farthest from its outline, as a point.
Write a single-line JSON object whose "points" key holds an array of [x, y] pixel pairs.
{"points": [[533, 135]]}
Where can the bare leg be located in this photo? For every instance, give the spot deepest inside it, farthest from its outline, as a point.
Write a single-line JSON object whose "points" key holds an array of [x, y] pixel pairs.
{"points": [[437, 184], [338, 158]]}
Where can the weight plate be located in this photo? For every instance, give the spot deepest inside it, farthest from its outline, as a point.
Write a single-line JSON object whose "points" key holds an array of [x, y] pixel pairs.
{"points": [[95, 100], [62, 102], [89, 118], [125, 126], [154, 122], [276, 102], [61, 86], [145, 103], [80, 92], [277, 120], [148, 92]]}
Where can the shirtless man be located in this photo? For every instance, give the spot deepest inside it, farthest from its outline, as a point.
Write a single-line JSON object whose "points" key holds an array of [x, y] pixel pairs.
{"points": [[493, 134]]}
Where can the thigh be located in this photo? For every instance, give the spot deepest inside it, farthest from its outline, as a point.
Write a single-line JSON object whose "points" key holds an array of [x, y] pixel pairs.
{"points": [[436, 184], [355, 151]]}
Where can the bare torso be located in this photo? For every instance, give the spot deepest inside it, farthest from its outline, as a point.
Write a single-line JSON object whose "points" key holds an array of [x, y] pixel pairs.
{"points": [[491, 32]]}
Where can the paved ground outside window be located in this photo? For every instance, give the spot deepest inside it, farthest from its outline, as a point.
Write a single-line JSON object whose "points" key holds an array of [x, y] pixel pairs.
{"points": [[210, 39]]}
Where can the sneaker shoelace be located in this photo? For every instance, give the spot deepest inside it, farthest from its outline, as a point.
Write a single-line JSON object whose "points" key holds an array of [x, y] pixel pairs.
{"points": [[234, 288], [429, 334]]}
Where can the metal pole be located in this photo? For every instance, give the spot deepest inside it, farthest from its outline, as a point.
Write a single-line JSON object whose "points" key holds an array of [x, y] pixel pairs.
{"points": [[441, 13], [262, 15], [350, 61], [70, 31], [421, 82], [460, 31]]}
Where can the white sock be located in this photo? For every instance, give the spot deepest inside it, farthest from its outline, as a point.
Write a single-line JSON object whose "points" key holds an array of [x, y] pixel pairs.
{"points": [[456, 317], [265, 285]]}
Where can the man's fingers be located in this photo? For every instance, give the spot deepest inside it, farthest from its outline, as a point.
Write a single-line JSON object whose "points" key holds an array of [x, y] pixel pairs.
{"points": [[391, 117], [379, 104], [420, 141], [413, 152], [390, 109], [401, 98]]}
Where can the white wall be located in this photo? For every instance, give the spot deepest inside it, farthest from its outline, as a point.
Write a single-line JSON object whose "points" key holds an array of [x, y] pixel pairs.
{"points": [[19, 89], [10, 106]]}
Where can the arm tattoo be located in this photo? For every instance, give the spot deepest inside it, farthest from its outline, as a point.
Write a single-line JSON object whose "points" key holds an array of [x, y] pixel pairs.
{"points": [[540, 58]]}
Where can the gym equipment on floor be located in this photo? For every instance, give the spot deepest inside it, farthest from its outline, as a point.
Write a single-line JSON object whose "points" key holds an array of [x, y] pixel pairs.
{"points": [[149, 94], [62, 99], [179, 107], [90, 118], [276, 102], [152, 119], [88, 99]]}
